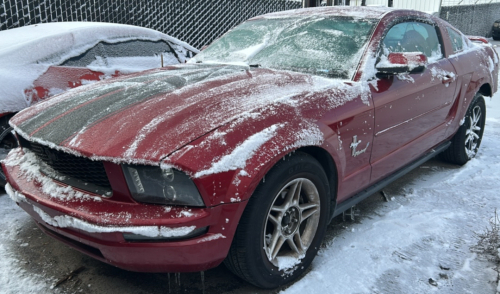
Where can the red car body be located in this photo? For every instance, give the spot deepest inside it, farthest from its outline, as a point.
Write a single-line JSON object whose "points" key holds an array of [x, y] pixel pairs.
{"points": [[364, 132]]}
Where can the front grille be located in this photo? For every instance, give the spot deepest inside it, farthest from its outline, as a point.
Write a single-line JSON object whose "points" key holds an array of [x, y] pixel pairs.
{"points": [[73, 170]]}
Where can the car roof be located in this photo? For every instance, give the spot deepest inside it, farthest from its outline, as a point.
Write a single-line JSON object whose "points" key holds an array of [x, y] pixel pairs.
{"points": [[71, 34]]}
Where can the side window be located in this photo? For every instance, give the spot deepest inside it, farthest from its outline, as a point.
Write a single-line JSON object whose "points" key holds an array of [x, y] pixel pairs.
{"points": [[456, 40], [85, 58], [136, 48], [413, 37]]}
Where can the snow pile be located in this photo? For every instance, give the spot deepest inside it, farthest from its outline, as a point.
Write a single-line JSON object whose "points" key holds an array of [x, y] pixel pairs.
{"points": [[359, 12], [440, 74], [288, 264], [410, 59], [211, 238], [27, 52], [66, 221]]}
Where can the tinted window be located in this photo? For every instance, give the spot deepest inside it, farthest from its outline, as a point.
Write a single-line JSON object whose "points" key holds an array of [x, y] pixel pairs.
{"points": [[456, 40], [121, 49], [413, 37]]}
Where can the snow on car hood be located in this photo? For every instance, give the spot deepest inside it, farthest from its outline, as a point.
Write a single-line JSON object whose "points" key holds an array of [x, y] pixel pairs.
{"points": [[27, 52], [147, 116]]}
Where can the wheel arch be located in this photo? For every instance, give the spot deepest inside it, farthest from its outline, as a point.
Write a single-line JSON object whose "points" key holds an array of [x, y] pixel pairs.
{"points": [[485, 90], [327, 162]]}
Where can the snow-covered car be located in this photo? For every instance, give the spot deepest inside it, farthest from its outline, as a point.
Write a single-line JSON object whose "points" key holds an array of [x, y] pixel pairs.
{"points": [[41, 60], [247, 152]]}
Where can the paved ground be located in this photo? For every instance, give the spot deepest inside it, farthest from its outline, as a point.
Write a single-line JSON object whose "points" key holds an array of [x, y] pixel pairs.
{"points": [[39, 254]]}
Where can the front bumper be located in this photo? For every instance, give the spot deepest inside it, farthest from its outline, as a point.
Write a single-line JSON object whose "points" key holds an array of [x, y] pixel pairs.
{"points": [[96, 227]]}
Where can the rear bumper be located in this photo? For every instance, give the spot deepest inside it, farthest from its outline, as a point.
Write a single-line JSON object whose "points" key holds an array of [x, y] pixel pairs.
{"points": [[97, 228]]}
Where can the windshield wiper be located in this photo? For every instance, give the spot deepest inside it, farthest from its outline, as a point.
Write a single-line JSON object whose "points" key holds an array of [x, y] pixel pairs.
{"points": [[254, 65]]}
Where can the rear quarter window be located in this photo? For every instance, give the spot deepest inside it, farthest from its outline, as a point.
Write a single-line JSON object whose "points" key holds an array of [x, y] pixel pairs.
{"points": [[457, 40]]}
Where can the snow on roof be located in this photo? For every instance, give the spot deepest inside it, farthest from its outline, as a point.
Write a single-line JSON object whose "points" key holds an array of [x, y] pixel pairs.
{"points": [[366, 12], [27, 52], [78, 33]]}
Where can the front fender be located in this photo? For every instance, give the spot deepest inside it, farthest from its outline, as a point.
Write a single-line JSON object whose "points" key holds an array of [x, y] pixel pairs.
{"points": [[228, 164]]}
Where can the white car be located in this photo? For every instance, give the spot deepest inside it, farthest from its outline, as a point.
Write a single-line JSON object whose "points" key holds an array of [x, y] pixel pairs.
{"points": [[39, 61]]}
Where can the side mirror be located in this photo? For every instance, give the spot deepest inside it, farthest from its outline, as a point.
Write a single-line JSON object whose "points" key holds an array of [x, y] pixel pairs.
{"points": [[405, 62]]}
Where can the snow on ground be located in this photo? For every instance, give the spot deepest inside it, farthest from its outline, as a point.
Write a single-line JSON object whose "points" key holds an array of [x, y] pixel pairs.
{"points": [[422, 234], [14, 279], [416, 243]]}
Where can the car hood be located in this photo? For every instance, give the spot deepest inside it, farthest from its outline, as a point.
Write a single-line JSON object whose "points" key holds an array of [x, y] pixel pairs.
{"points": [[145, 117]]}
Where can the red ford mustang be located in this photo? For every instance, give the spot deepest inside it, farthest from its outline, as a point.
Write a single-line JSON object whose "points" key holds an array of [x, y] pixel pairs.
{"points": [[247, 152]]}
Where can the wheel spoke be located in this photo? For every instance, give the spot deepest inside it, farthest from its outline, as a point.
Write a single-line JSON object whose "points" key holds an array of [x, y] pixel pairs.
{"points": [[274, 220], [467, 139], [296, 195], [307, 210], [275, 247], [295, 244], [290, 195], [309, 213], [477, 115], [278, 208]]}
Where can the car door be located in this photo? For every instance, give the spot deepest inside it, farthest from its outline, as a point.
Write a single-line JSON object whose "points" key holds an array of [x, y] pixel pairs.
{"points": [[411, 109]]}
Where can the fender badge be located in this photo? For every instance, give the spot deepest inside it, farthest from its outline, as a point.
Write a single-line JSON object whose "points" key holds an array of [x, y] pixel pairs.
{"points": [[355, 144]]}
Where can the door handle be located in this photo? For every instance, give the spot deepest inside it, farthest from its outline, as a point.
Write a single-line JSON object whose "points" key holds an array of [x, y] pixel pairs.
{"points": [[448, 79]]}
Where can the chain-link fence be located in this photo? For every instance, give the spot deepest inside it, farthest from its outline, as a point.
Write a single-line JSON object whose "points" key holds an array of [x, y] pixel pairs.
{"points": [[197, 22]]}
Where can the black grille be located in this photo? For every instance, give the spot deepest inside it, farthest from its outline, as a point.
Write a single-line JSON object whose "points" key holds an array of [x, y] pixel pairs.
{"points": [[70, 169]]}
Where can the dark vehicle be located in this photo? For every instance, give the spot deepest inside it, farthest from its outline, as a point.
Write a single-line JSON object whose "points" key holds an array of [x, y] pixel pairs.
{"points": [[495, 30]]}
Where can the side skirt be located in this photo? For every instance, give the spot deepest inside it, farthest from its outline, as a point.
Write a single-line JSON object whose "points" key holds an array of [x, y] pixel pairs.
{"points": [[348, 203]]}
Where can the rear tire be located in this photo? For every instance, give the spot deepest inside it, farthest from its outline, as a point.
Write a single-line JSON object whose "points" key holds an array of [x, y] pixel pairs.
{"points": [[283, 225], [465, 143]]}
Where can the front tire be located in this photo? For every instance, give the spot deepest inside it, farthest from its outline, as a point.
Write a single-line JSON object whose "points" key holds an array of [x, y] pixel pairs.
{"points": [[466, 142], [283, 224]]}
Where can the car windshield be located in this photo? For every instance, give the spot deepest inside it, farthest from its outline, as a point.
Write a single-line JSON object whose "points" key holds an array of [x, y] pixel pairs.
{"points": [[324, 46]]}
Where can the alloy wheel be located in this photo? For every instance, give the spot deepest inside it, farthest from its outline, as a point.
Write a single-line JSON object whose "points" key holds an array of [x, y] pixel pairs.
{"points": [[292, 221], [473, 133]]}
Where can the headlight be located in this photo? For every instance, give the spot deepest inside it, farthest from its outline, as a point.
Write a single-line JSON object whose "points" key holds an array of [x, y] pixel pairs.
{"points": [[151, 184], [496, 24]]}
